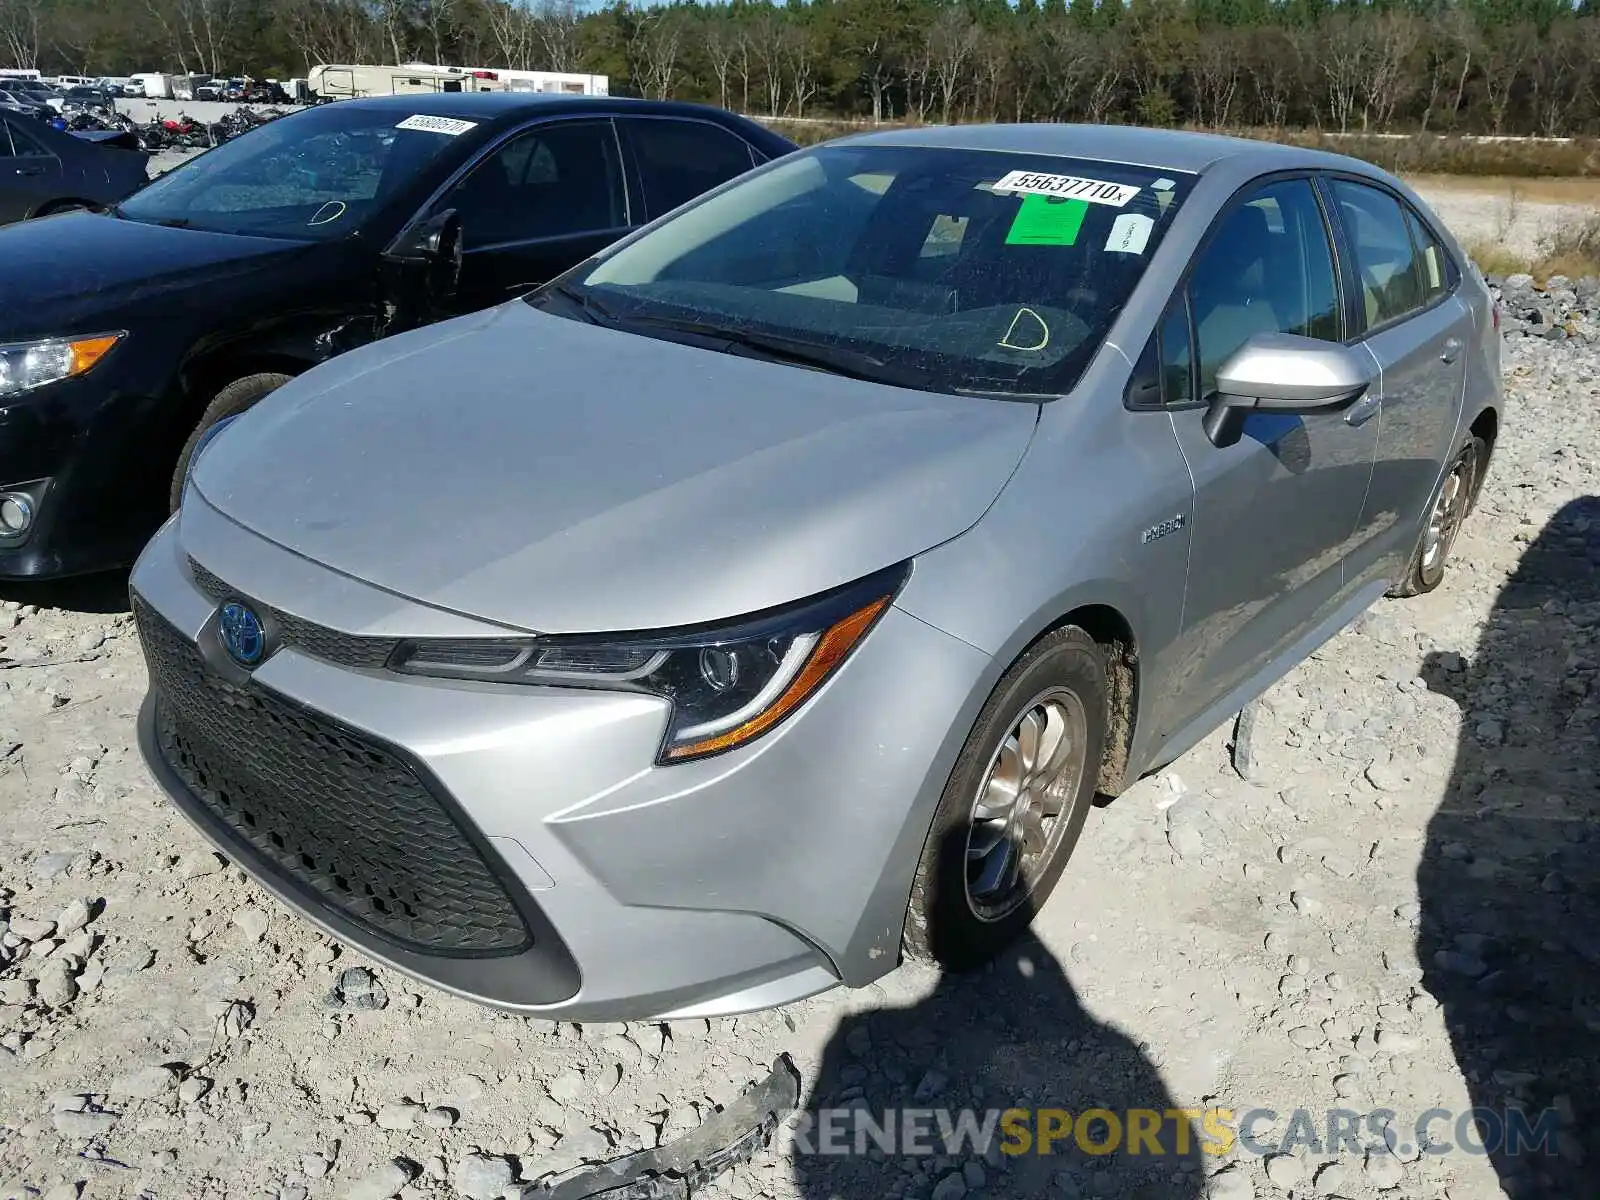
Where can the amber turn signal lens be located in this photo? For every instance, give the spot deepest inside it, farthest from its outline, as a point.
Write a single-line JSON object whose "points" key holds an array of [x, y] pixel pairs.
{"points": [[88, 351], [831, 649]]}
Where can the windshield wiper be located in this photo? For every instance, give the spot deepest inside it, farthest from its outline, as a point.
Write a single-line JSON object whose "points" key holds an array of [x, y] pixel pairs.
{"points": [[836, 360], [593, 311]]}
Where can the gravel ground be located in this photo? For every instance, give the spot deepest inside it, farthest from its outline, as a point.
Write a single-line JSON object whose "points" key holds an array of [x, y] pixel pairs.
{"points": [[1382, 896]]}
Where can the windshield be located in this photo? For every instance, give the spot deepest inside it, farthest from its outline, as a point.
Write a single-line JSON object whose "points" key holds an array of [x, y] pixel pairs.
{"points": [[313, 176], [961, 270]]}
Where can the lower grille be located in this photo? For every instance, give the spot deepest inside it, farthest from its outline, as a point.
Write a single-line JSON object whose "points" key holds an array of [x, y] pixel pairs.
{"points": [[329, 810]]}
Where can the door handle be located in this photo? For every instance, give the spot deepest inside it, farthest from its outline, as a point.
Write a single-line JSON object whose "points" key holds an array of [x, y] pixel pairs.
{"points": [[1452, 348], [1363, 410], [30, 170]]}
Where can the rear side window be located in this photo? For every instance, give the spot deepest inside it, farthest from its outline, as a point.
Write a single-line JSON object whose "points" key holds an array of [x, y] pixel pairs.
{"points": [[1435, 264], [1387, 264], [680, 159]]}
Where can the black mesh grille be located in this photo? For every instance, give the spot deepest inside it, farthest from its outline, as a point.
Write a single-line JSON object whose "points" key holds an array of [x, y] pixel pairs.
{"points": [[346, 649], [328, 809]]}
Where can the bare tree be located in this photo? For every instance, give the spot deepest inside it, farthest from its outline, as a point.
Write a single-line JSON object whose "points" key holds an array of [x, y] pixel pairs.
{"points": [[658, 45], [767, 44], [556, 24], [1066, 65], [1506, 56], [800, 59], [721, 39], [1277, 72], [1392, 75], [512, 27], [20, 22], [1214, 66], [951, 41], [1559, 76]]}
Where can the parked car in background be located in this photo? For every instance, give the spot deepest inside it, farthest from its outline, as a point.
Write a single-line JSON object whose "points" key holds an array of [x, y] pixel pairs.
{"points": [[44, 171], [773, 593], [290, 244]]}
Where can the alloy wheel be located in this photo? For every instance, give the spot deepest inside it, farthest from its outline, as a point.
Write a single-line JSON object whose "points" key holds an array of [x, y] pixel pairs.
{"points": [[1020, 810]]}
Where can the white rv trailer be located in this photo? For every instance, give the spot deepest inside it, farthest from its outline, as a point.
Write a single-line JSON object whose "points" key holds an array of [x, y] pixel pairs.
{"points": [[346, 81]]}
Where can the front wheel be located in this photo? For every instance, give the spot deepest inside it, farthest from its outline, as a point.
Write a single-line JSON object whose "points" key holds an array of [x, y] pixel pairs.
{"points": [[1445, 516], [229, 402], [1014, 806]]}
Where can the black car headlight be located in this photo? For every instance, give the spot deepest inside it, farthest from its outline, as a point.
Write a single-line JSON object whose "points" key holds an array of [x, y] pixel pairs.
{"points": [[727, 685], [28, 365]]}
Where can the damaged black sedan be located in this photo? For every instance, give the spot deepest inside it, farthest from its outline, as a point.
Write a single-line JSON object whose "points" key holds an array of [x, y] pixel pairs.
{"points": [[128, 333]]}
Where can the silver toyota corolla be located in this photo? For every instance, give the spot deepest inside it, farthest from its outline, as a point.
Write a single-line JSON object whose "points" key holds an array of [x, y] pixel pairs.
{"points": [[770, 595]]}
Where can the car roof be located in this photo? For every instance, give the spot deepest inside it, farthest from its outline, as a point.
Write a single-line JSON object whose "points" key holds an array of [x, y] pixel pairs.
{"points": [[1167, 149], [492, 106]]}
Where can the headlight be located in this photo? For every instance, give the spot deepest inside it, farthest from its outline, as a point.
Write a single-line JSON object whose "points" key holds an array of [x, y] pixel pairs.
{"points": [[27, 365], [727, 686]]}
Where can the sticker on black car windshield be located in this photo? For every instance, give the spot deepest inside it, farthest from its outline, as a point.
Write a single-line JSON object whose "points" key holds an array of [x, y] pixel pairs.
{"points": [[1068, 187], [448, 126]]}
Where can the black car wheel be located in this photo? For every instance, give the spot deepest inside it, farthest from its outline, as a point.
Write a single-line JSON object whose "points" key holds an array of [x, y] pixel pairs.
{"points": [[229, 402], [1014, 806]]}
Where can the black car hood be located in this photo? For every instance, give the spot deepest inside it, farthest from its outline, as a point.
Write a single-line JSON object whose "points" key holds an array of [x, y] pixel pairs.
{"points": [[63, 273]]}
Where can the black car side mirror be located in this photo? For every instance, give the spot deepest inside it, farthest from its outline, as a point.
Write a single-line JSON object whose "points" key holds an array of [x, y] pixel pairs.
{"points": [[1284, 373], [434, 248]]}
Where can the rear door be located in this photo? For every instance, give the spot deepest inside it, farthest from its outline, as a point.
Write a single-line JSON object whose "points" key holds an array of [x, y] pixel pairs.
{"points": [[1404, 292], [677, 159], [535, 204], [30, 176], [1274, 513]]}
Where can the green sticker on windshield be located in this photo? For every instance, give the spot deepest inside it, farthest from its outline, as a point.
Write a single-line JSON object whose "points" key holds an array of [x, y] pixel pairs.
{"points": [[1047, 221]]}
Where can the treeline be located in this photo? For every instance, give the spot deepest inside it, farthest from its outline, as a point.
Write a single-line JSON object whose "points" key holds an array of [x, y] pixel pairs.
{"points": [[1458, 66]]}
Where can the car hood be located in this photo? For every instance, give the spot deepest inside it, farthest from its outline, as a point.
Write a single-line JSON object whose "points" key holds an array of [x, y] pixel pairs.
{"points": [[77, 269], [560, 477]]}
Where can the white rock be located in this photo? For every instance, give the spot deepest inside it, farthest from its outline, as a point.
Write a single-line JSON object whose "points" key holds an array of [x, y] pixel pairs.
{"points": [[402, 1115], [252, 922], [379, 1184], [480, 1177], [31, 929], [73, 918], [147, 1083]]}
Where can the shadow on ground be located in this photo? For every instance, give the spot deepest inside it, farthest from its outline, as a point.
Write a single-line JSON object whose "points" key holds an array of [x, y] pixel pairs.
{"points": [[1009, 1036], [1509, 884], [100, 594]]}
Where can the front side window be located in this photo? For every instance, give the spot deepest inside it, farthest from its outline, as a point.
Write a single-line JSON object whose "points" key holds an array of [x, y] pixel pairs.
{"points": [[20, 143], [969, 271], [314, 176], [680, 159], [1386, 261], [556, 180], [1267, 268]]}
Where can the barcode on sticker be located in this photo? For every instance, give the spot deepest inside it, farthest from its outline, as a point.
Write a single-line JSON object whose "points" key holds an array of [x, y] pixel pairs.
{"points": [[1068, 187], [445, 125]]}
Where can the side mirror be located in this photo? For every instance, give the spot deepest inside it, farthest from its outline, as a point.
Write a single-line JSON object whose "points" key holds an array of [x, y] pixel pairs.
{"points": [[1284, 373], [435, 248]]}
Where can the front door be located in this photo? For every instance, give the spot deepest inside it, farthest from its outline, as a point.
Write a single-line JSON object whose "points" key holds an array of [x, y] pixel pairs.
{"points": [[1274, 513], [1418, 332], [533, 206]]}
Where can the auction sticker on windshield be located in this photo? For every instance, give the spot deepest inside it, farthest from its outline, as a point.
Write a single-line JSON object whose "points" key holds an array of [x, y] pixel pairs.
{"points": [[445, 125], [1096, 191]]}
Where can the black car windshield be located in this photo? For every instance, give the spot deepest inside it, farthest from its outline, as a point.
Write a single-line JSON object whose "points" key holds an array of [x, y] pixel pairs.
{"points": [[314, 176], [969, 271]]}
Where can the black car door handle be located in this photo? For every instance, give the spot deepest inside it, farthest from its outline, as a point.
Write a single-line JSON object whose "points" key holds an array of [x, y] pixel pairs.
{"points": [[30, 170], [1452, 348]]}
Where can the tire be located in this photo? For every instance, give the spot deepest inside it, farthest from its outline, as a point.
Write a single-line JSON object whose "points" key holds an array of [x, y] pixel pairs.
{"points": [[229, 402], [956, 919], [1447, 509]]}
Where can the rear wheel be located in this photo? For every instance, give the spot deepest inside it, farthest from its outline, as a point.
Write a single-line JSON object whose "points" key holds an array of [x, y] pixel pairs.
{"points": [[229, 402], [1014, 806], [1445, 515], [61, 206]]}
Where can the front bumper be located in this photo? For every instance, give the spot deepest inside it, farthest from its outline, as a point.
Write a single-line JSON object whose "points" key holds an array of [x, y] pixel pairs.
{"points": [[704, 888], [99, 447]]}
